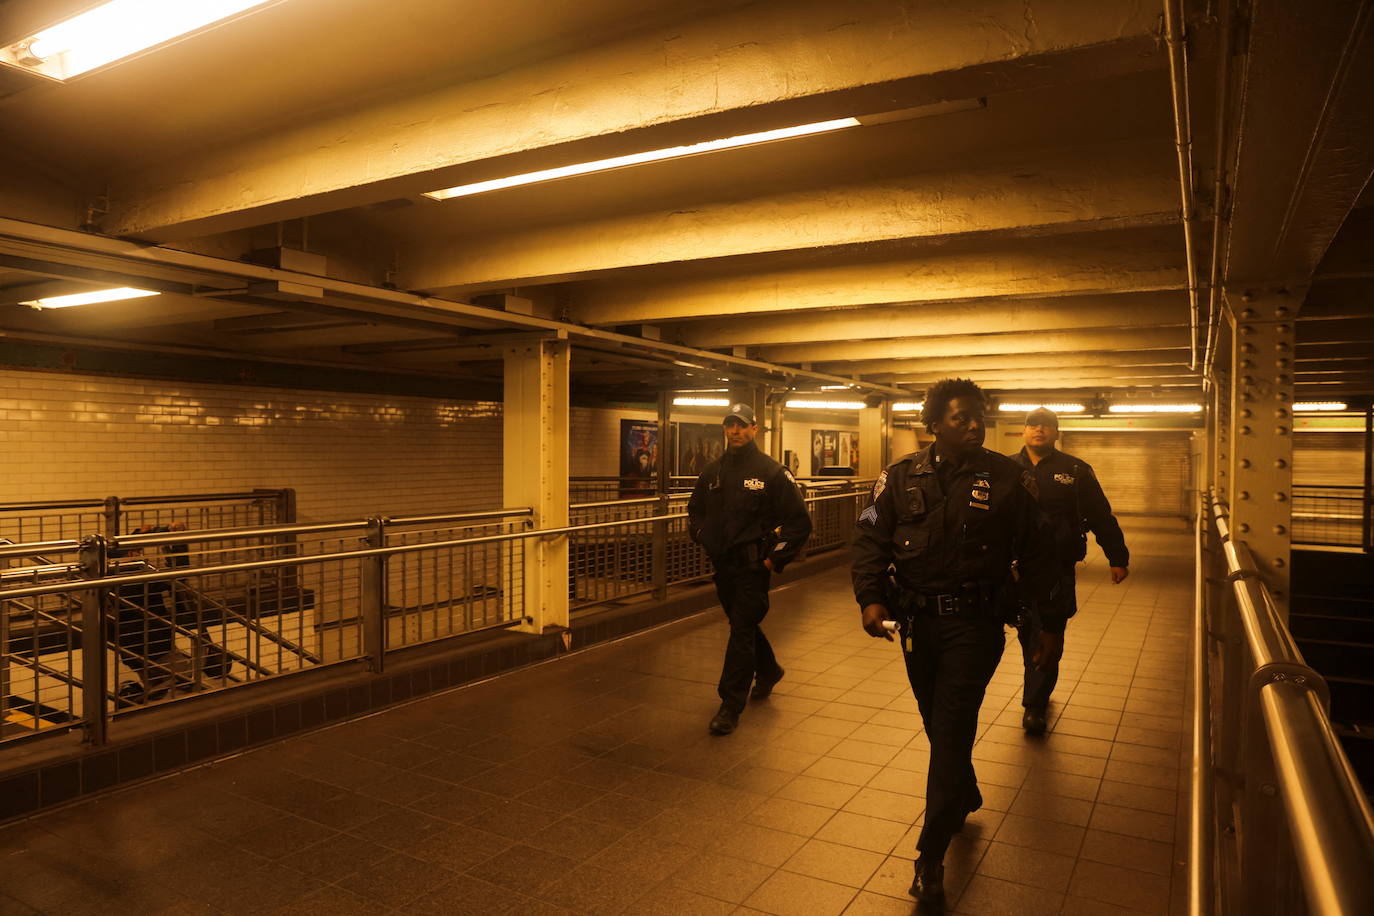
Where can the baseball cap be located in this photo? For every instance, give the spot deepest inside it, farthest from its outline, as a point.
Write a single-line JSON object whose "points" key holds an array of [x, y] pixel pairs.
{"points": [[743, 413], [1042, 416]]}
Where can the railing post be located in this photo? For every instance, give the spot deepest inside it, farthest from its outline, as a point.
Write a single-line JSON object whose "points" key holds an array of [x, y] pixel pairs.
{"points": [[660, 550], [94, 561], [373, 585]]}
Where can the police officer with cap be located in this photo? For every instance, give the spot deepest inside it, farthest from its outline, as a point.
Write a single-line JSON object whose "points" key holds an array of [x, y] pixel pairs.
{"points": [[1074, 502], [748, 514], [945, 554]]}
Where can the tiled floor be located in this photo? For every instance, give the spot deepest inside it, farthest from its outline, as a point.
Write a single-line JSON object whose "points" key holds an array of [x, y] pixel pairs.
{"points": [[590, 785]]}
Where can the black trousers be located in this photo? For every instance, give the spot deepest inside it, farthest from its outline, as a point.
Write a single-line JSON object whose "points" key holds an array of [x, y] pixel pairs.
{"points": [[1040, 684], [743, 593], [950, 661]]}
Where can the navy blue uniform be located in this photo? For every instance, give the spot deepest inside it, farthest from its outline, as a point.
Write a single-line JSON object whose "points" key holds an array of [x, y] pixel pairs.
{"points": [[937, 547], [1073, 501], [746, 507]]}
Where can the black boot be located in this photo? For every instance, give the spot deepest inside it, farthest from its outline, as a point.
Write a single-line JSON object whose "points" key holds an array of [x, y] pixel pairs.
{"points": [[928, 884], [1034, 720], [724, 721], [764, 686]]}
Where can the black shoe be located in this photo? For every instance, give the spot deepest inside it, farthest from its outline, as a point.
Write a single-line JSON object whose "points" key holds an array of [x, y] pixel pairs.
{"points": [[724, 721], [928, 884], [1034, 720], [764, 686]]}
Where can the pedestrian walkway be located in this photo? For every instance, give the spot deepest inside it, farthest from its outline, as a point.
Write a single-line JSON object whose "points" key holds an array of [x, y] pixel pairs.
{"points": [[590, 785]]}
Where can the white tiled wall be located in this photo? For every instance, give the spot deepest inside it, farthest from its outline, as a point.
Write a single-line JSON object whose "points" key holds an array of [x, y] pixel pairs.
{"points": [[347, 455]]}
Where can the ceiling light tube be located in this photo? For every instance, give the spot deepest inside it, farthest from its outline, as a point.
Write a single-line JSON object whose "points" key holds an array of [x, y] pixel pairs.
{"points": [[1319, 405], [700, 402], [92, 298], [907, 406], [826, 405], [657, 155], [1010, 407], [1155, 408], [113, 31]]}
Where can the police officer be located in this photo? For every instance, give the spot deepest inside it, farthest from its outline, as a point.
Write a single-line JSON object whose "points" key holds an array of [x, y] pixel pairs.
{"points": [[747, 513], [939, 551], [1074, 502]]}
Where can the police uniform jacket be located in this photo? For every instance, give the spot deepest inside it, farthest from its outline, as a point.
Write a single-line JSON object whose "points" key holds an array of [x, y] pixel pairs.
{"points": [[747, 506], [948, 528], [1074, 502]]}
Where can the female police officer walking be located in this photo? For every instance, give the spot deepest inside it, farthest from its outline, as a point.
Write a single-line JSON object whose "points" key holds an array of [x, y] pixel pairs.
{"points": [[949, 530]]}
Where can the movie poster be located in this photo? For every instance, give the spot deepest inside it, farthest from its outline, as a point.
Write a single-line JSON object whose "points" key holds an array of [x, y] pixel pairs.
{"points": [[832, 448], [638, 458], [698, 444]]}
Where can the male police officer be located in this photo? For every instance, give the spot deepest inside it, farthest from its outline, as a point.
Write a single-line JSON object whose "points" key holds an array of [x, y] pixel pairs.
{"points": [[1073, 499], [938, 550], [747, 513]]}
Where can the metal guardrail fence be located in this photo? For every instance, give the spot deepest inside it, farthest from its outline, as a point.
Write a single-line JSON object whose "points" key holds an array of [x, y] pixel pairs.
{"points": [[1333, 516], [1272, 791], [95, 630], [114, 515]]}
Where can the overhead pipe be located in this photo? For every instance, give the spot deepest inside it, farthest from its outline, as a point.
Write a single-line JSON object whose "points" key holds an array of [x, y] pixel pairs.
{"points": [[1219, 222], [1183, 143]]}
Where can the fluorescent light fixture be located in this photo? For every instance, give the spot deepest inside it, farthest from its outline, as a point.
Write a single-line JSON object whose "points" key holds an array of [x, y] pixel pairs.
{"points": [[113, 31], [826, 405], [1008, 407], [836, 387], [1320, 405], [1155, 408], [907, 406], [92, 298], [700, 402], [657, 155]]}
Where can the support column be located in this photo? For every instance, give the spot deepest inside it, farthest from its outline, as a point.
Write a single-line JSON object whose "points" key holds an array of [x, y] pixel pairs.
{"points": [[775, 410], [535, 449], [1262, 434], [875, 424]]}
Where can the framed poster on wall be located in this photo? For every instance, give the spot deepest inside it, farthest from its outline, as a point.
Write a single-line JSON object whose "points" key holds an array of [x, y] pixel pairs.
{"points": [[638, 458], [833, 448], [698, 444]]}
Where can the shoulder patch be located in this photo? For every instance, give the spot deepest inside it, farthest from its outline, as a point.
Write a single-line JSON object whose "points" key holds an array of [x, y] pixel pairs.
{"points": [[869, 516], [788, 474], [879, 486]]}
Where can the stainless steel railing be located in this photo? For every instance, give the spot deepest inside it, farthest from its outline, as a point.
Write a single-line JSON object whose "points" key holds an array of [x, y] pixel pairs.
{"points": [[107, 632], [1292, 830]]}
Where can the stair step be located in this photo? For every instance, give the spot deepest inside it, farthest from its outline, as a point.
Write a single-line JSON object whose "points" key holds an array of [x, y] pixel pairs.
{"points": [[1332, 627], [1334, 658], [1352, 701]]}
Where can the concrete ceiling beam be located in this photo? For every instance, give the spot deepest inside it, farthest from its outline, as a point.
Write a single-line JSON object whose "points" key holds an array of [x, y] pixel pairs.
{"points": [[1115, 185], [762, 66], [1084, 263], [980, 344], [923, 367], [914, 320]]}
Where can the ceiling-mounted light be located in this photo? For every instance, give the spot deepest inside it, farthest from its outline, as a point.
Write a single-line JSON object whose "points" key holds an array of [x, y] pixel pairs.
{"points": [[1155, 408], [836, 387], [1319, 405], [700, 402], [92, 298], [115, 30], [907, 406], [826, 405], [657, 155], [1009, 407]]}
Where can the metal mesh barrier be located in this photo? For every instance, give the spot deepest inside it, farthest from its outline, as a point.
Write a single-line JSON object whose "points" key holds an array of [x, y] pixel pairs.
{"points": [[1334, 516]]}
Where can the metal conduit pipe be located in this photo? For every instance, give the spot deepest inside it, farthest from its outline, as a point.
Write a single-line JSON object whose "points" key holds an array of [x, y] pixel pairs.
{"points": [[1219, 191], [1328, 816], [1183, 143], [1201, 849]]}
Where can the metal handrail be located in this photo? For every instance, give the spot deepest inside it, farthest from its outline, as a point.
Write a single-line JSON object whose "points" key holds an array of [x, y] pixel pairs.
{"points": [[1201, 849], [135, 501], [166, 538], [1328, 816]]}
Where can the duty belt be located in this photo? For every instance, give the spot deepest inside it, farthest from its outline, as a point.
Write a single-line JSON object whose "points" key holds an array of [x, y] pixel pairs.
{"points": [[970, 602]]}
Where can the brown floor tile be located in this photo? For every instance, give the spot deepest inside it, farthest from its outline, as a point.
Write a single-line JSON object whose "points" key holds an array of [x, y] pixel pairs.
{"points": [[846, 771], [868, 904], [1049, 836], [1051, 782], [720, 876], [1133, 822], [763, 845], [790, 894], [790, 816], [863, 832], [892, 806], [1142, 774], [986, 896], [824, 792], [395, 880], [1146, 798], [667, 900], [835, 863], [1023, 865], [1045, 806], [1128, 852], [1136, 890]]}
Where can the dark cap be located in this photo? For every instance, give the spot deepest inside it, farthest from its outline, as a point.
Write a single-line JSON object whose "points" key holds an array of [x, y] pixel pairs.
{"points": [[1042, 416], [742, 412]]}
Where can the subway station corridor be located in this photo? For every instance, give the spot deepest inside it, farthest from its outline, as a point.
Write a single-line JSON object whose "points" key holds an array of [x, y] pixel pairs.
{"points": [[590, 785]]}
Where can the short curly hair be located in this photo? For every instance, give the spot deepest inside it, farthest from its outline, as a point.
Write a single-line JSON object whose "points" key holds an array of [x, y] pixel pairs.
{"points": [[944, 391]]}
